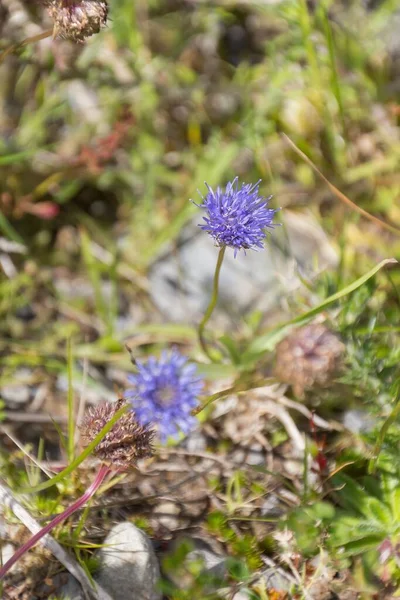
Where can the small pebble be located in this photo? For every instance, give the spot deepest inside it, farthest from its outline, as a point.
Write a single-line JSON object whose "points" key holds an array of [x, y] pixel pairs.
{"points": [[15, 395]]}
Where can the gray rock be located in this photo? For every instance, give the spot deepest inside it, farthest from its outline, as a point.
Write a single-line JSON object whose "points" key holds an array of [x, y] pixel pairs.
{"points": [[6, 552], [3, 529], [94, 393], [181, 282], [15, 395], [61, 586], [71, 590], [358, 421], [210, 565], [196, 442], [167, 514], [224, 406], [73, 288], [255, 455], [242, 595], [272, 507], [238, 456], [276, 580], [129, 567], [213, 564], [84, 101]]}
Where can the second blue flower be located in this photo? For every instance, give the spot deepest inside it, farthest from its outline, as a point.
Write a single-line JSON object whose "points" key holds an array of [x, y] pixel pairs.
{"points": [[164, 393]]}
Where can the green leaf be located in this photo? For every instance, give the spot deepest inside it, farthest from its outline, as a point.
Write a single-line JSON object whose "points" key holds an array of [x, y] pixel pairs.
{"points": [[270, 339], [369, 542], [18, 157], [395, 504], [346, 530], [304, 525], [215, 372], [238, 569], [351, 495], [231, 347], [376, 511], [8, 230], [382, 434], [94, 272], [323, 510]]}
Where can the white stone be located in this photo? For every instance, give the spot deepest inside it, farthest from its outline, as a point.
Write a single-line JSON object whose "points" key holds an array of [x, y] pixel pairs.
{"points": [[242, 595], [6, 552], [167, 514], [15, 394], [129, 567]]}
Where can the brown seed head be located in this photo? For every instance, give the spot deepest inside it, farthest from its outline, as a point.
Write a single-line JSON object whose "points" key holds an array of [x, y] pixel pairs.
{"points": [[307, 357], [125, 444], [77, 19]]}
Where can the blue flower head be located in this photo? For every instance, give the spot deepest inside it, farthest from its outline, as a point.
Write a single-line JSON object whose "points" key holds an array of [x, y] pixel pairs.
{"points": [[164, 393], [237, 217]]}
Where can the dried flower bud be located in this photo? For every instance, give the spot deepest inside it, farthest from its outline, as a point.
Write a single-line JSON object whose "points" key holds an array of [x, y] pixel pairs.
{"points": [[77, 19], [127, 442], [309, 356]]}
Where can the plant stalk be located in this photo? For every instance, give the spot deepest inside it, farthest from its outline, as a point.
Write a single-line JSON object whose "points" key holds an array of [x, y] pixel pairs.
{"points": [[211, 306], [103, 472]]}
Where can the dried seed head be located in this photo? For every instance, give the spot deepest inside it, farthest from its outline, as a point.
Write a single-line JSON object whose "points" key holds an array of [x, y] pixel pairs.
{"points": [[307, 357], [125, 444], [77, 19]]}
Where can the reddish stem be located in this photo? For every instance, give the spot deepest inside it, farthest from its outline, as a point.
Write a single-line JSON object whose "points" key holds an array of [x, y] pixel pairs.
{"points": [[103, 472]]}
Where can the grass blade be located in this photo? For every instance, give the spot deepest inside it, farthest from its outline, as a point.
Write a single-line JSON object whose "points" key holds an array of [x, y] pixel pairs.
{"points": [[270, 339], [332, 59], [342, 197], [94, 274], [8, 230]]}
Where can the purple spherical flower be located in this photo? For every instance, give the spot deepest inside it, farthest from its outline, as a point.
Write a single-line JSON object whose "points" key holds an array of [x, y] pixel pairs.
{"points": [[164, 393], [237, 217]]}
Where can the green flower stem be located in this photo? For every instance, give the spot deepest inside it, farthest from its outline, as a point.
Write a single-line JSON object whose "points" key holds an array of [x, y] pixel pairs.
{"points": [[60, 476], [214, 398], [240, 386], [211, 306]]}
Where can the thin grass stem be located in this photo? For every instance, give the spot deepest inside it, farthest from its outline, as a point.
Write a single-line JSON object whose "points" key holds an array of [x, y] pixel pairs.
{"points": [[334, 72], [211, 306]]}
